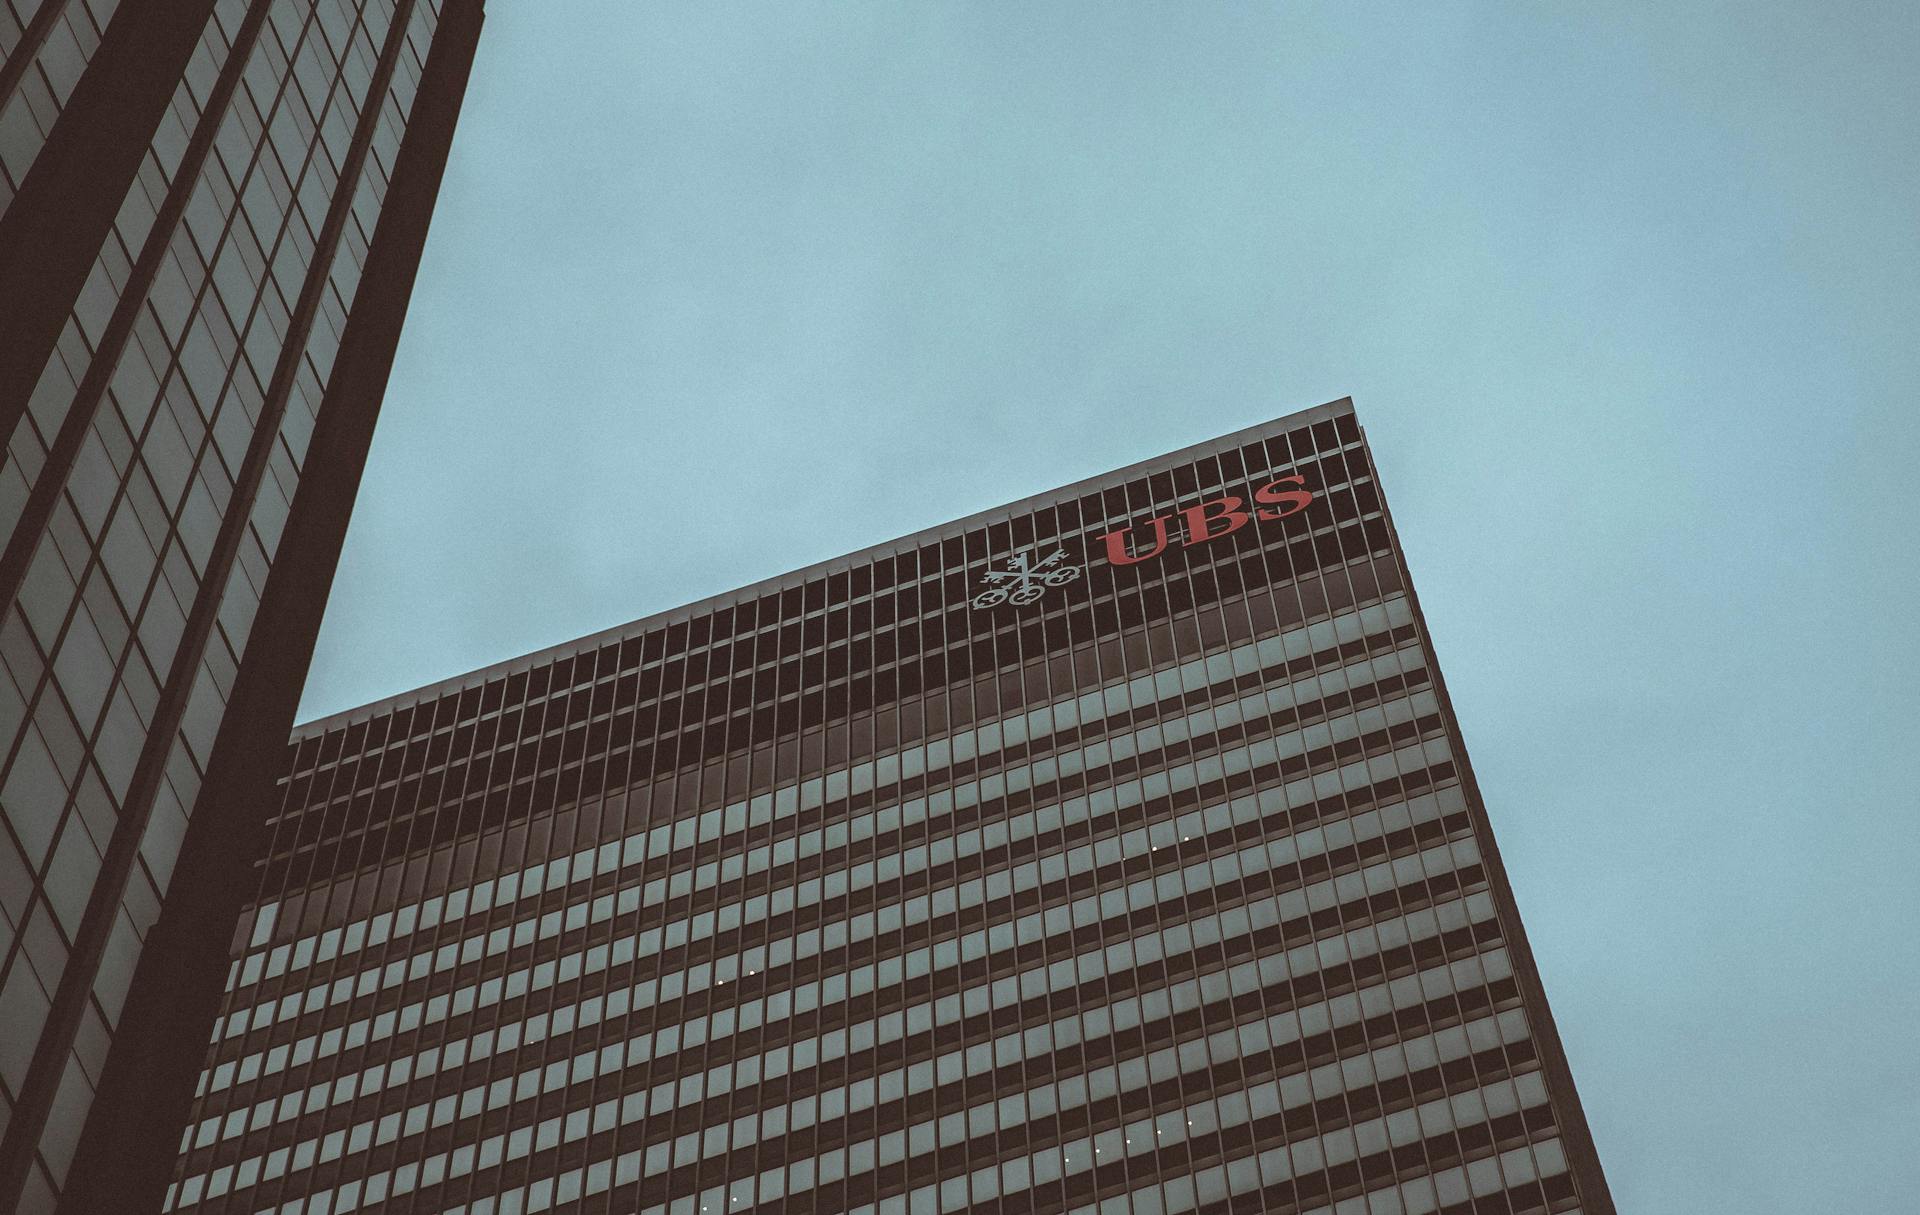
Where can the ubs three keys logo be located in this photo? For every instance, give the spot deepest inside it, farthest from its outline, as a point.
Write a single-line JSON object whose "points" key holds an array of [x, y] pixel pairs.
{"points": [[1025, 580]]}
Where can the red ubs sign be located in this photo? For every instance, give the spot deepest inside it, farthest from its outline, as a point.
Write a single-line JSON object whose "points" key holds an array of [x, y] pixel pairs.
{"points": [[1024, 580], [1209, 520]]}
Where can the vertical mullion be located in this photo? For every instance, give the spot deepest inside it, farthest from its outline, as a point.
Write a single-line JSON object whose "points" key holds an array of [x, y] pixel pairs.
{"points": [[376, 861], [720, 686], [768, 617], [338, 1115], [587, 837], [466, 824], [500, 913], [523, 757]]}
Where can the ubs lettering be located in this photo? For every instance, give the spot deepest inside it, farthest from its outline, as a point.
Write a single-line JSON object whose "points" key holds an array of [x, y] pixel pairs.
{"points": [[1208, 520]]}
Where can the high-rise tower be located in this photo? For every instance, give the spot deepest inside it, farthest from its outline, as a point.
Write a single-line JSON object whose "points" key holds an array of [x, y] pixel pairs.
{"points": [[1113, 851], [212, 215]]}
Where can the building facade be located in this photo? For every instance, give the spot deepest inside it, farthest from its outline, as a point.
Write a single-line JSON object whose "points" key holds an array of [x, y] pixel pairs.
{"points": [[1114, 851], [211, 212]]}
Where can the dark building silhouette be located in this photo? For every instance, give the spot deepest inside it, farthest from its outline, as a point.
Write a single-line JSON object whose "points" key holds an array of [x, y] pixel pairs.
{"points": [[210, 218], [1112, 851]]}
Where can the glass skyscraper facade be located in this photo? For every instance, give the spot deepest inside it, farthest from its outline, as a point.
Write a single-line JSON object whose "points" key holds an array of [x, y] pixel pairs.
{"points": [[211, 212], [1114, 851]]}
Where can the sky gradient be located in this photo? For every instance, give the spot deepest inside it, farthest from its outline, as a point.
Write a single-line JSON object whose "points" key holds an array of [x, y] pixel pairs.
{"points": [[1627, 298]]}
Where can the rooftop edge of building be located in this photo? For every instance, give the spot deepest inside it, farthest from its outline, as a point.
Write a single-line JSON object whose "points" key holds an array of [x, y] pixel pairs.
{"points": [[1343, 406]]}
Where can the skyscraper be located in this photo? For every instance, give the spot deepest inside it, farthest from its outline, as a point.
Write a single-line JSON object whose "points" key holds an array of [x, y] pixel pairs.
{"points": [[1111, 851], [213, 211]]}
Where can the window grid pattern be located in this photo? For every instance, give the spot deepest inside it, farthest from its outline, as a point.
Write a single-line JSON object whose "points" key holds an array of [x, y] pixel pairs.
{"points": [[28, 112], [89, 646], [1161, 899]]}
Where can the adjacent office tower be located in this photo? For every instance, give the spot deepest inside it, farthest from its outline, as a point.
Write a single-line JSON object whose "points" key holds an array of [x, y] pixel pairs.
{"points": [[1113, 851], [212, 213]]}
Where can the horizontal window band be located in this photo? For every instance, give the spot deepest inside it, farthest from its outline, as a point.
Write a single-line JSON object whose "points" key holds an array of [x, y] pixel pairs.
{"points": [[1340, 1110], [839, 909], [1381, 907], [972, 1030], [680, 908], [1285, 1059], [375, 772], [920, 1047], [1183, 1025], [773, 1034], [1064, 739], [1424, 1158], [1384, 907], [799, 646], [1465, 942], [855, 1127], [346, 822], [507, 801], [1372, 648], [909, 835], [1269, 880]]}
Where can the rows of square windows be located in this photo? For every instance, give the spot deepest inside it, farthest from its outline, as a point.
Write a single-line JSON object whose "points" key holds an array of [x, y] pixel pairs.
{"points": [[666, 672], [857, 1040], [588, 739], [886, 920], [1009, 1116], [538, 1027], [955, 958], [1053, 921], [771, 910], [611, 861], [961, 1151], [966, 1139], [856, 1036], [1501, 1181], [1178, 1005], [335, 1043], [798, 618], [1212, 1191], [332, 1040], [490, 899], [409, 878], [791, 810], [436, 1119], [331, 839]]}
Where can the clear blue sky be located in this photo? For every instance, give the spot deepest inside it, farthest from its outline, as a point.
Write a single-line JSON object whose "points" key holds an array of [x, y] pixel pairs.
{"points": [[1628, 298]]}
